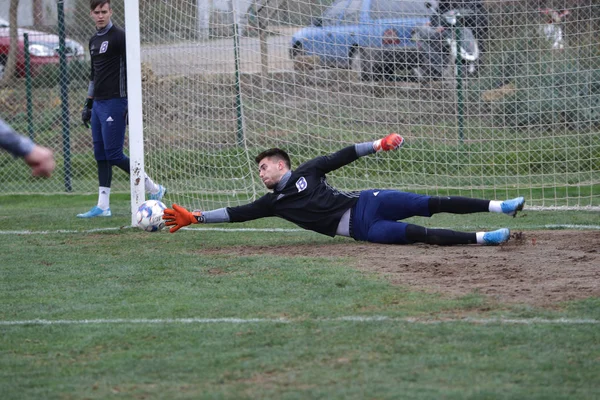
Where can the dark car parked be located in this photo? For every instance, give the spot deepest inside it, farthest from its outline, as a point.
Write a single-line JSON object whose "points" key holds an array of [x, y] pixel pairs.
{"points": [[369, 36]]}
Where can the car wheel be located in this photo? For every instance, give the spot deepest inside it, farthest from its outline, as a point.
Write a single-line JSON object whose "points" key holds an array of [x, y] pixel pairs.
{"points": [[364, 67], [301, 61], [357, 65], [296, 51]]}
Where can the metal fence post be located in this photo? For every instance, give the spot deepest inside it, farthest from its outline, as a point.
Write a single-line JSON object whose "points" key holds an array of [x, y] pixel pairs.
{"points": [[64, 96], [459, 79], [28, 86]]}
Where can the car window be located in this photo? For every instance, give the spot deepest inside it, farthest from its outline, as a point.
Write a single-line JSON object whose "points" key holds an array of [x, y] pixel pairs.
{"points": [[333, 14], [398, 9], [352, 13]]}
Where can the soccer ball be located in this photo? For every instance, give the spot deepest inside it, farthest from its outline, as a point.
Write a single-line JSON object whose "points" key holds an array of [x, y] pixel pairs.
{"points": [[149, 216]]}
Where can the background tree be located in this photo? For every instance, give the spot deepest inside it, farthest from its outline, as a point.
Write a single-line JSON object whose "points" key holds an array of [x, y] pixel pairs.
{"points": [[37, 11], [11, 62]]}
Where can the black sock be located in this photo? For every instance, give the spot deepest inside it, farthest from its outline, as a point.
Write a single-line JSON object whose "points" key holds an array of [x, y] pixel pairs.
{"points": [[457, 205], [104, 173], [442, 237]]}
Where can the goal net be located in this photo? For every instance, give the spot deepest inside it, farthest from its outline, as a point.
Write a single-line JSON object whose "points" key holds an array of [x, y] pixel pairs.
{"points": [[296, 75]]}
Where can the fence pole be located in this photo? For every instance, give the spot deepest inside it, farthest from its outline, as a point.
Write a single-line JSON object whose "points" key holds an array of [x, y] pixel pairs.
{"points": [[28, 86], [459, 79], [64, 96], [238, 88]]}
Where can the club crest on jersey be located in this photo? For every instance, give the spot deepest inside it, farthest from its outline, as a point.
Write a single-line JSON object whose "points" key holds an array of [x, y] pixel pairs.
{"points": [[301, 184], [104, 47]]}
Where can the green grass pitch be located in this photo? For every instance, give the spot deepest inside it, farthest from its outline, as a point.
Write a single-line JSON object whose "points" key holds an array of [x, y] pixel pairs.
{"points": [[95, 309]]}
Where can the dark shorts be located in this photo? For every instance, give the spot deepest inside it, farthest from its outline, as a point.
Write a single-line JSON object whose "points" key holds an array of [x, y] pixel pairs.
{"points": [[376, 215], [108, 128]]}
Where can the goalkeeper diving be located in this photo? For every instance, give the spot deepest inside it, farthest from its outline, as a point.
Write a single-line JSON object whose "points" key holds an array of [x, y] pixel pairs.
{"points": [[304, 197]]}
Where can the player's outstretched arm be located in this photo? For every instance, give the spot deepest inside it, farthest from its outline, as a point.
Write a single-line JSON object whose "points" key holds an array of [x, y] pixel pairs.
{"points": [[392, 141], [178, 217], [349, 154]]}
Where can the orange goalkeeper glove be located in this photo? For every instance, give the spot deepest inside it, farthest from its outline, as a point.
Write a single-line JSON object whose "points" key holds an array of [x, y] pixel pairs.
{"points": [[178, 217], [390, 142]]}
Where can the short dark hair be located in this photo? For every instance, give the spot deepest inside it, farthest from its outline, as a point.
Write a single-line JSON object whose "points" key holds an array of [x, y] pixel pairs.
{"points": [[96, 3], [275, 152]]}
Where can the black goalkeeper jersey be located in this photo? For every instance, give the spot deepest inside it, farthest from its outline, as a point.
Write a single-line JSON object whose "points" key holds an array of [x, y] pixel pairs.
{"points": [[307, 199], [109, 70]]}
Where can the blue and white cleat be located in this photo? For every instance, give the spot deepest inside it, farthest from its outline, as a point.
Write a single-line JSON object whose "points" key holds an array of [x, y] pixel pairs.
{"points": [[496, 237], [95, 212], [158, 195], [510, 207]]}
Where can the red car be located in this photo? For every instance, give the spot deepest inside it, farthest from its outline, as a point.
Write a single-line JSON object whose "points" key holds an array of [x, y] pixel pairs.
{"points": [[43, 49]]}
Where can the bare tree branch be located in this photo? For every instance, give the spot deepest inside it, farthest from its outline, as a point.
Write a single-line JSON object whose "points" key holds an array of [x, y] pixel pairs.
{"points": [[11, 62]]}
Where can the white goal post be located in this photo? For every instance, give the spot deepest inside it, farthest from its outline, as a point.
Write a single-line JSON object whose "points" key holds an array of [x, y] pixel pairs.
{"points": [[134, 90]]}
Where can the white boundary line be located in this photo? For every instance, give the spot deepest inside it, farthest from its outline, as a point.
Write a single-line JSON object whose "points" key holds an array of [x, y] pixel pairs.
{"points": [[24, 232], [71, 231], [354, 319], [570, 226], [28, 232]]}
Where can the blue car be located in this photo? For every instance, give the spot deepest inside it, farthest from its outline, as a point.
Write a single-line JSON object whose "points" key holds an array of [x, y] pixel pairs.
{"points": [[372, 37]]}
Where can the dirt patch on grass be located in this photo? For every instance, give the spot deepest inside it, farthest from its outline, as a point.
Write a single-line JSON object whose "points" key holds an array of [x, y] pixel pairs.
{"points": [[539, 268]]}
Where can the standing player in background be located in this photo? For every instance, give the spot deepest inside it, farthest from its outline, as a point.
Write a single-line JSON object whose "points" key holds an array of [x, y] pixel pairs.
{"points": [[304, 197], [39, 158], [106, 106]]}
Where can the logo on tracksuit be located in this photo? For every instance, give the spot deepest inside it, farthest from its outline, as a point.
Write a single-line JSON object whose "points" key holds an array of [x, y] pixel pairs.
{"points": [[301, 184], [104, 47]]}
